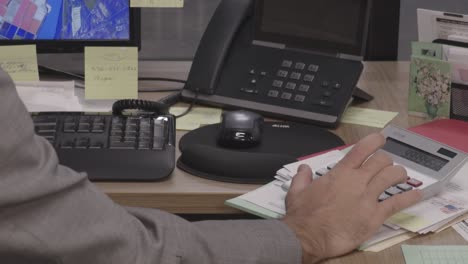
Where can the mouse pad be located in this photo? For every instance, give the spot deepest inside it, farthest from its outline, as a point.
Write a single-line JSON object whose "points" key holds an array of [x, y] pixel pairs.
{"points": [[281, 143]]}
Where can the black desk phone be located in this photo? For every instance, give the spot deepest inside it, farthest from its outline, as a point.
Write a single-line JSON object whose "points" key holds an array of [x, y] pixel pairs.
{"points": [[298, 60]]}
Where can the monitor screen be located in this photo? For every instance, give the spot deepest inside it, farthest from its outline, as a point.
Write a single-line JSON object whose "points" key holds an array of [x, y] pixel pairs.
{"points": [[69, 25], [329, 26]]}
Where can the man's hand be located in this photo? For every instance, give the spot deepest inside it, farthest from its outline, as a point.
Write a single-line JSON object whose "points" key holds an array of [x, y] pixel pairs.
{"points": [[337, 212]]}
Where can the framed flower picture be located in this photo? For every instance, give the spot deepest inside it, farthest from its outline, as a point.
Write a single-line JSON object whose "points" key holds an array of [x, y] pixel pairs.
{"points": [[429, 88]]}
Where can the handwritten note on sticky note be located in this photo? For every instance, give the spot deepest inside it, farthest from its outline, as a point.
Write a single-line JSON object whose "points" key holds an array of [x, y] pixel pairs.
{"points": [[157, 3], [198, 116], [111, 72], [20, 62], [368, 117]]}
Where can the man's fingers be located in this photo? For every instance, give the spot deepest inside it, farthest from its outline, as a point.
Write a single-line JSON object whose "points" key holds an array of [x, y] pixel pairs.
{"points": [[375, 164], [302, 179], [362, 150], [388, 177], [399, 202]]}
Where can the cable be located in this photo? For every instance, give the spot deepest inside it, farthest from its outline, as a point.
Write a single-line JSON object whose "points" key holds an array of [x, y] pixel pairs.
{"points": [[161, 79], [195, 98]]}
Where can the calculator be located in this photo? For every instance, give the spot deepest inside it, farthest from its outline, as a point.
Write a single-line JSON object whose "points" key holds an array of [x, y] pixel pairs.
{"points": [[430, 164]]}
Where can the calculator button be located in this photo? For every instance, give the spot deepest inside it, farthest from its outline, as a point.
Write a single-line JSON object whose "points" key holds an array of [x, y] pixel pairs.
{"points": [[404, 187], [383, 197], [286, 96], [304, 88], [393, 191], [277, 83], [286, 63], [321, 172], [290, 86], [273, 93], [300, 66], [295, 76], [309, 78], [282, 73], [331, 166], [299, 98], [413, 182], [313, 68]]}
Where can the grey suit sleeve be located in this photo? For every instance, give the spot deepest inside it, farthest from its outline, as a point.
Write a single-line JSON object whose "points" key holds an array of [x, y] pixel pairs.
{"points": [[51, 214]]}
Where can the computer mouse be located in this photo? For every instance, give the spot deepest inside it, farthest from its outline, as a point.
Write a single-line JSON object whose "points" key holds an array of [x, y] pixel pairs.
{"points": [[240, 129]]}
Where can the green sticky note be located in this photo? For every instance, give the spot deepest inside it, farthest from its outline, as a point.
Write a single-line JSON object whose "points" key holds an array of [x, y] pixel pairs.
{"points": [[435, 254], [111, 72], [20, 62], [157, 3], [367, 117]]}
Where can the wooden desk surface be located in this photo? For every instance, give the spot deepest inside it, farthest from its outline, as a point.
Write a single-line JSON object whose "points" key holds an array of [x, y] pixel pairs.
{"points": [[184, 193]]}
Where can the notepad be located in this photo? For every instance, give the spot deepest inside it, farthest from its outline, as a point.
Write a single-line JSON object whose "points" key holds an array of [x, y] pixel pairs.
{"points": [[435, 254]]}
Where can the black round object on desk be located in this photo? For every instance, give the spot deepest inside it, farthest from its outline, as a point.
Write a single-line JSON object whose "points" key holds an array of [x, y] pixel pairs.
{"points": [[281, 143]]}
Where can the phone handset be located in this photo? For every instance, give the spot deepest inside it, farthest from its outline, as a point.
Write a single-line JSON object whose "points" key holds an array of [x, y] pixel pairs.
{"points": [[215, 44]]}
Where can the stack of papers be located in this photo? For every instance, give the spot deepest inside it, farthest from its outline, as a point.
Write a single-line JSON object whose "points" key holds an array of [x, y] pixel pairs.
{"points": [[432, 215], [58, 96]]}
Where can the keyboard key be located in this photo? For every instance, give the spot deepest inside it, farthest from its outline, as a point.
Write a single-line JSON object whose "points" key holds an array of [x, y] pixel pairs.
{"points": [[122, 145], [84, 127], [336, 86], [325, 84], [327, 93], [158, 143], [45, 128], [252, 72]]}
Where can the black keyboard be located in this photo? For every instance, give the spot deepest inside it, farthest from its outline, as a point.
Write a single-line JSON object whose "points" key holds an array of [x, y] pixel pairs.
{"points": [[110, 147]]}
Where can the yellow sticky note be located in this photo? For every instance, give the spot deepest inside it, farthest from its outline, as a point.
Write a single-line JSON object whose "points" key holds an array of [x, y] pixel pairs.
{"points": [[367, 117], [157, 3], [111, 72], [409, 222], [20, 62], [198, 116]]}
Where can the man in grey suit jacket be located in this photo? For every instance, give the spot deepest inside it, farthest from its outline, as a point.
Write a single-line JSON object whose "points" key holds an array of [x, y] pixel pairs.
{"points": [[52, 214]]}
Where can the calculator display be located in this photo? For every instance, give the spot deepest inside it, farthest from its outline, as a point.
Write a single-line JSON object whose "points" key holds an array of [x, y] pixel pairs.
{"points": [[414, 154]]}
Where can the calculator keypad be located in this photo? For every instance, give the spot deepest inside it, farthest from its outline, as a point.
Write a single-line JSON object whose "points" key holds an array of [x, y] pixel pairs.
{"points": [[394, 190]]}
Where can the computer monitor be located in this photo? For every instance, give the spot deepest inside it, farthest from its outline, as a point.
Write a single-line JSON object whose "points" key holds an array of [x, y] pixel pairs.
{"points": [[67, 26]]}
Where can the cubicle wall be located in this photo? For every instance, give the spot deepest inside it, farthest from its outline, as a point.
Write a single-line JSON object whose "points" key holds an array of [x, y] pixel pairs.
{"points": [[408, 25]]}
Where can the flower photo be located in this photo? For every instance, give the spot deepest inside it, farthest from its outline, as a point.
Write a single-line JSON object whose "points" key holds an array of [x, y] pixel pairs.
{"points": [[429, 93]]}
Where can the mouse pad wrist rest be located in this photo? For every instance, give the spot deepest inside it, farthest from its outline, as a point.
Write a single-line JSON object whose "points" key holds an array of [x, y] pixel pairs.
{"points": [[281, 143]]}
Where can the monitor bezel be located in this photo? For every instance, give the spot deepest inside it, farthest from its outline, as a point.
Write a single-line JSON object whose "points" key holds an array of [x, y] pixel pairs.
{"points": [[314, 44], [77, 46]]}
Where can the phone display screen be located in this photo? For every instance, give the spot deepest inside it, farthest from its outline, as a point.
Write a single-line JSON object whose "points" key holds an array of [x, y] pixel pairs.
{"points": [[332, 25]]}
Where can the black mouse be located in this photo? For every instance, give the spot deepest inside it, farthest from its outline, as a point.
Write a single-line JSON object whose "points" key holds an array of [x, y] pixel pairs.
{"points": [[240, 129]]}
